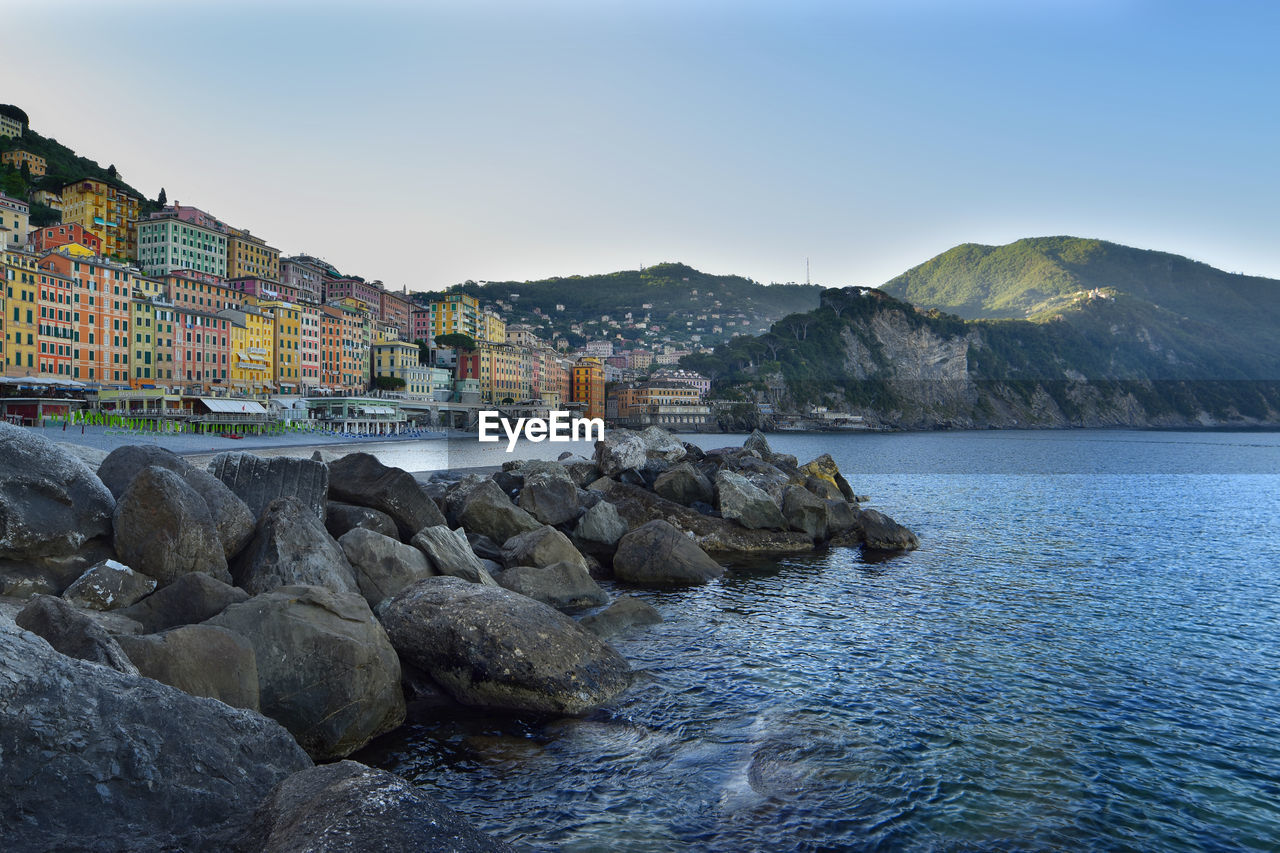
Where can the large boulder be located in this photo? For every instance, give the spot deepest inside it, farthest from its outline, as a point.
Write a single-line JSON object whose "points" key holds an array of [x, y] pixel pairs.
{"points": [[51, 503], [738, 500], [360, 479], [190, 599], [684, 485], [758, 444], [382, 565], [489, 512], [350, 808], [549, 496], [291, 547], [620, 450], [340, 518], [599, 529], [879, 532], [326, 670], [258, 481], [541, 547], [580, 469], [91, 456], [564, 586], [449, 553], [493, 648], [624, 613], [99, 761], [72, 633], [660, 444], [842, 516], [124, 463], [202, 660], [657, 554], [824, 468], [805, 512], [163, 529], [459, 492], [109, 585]]}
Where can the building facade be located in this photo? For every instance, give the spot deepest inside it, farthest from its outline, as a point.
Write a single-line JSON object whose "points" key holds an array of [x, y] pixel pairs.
{"points": [[107, 211], [588, 386], [35, 164], [54, 236], [167, 243], [15, 218]]}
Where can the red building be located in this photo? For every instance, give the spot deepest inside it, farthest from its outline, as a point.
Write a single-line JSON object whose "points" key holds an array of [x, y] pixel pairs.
{"points": [[53, 236], [201, 349]]}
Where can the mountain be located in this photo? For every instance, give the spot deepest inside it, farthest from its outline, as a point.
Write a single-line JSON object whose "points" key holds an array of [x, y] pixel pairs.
{"points": [[686, 306]]}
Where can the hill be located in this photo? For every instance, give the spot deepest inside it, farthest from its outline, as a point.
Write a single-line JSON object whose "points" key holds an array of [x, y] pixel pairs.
{"points": [[686, 306]]}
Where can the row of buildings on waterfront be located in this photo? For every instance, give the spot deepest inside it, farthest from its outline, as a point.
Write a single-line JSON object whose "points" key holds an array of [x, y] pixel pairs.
{"points": [[179, 300]]}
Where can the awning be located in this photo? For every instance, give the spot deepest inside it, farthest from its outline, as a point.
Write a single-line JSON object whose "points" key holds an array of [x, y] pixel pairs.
{"points": [[378, 410], [238, 407]]}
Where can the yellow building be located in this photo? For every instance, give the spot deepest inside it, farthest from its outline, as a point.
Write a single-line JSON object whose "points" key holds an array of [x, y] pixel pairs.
{"points": [[252, 349], [251, 257], [456, 313], [15, 222], [287, 371], [495, 328], [503, 371], [394, 359], [35, 164], [10, 126], [22, 310], [588, 386], [105, 210], [152, 318], [48, 198]]}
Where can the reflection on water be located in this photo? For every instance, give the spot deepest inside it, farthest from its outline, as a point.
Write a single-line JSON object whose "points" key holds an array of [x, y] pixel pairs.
{"points": [[1071, 661]]}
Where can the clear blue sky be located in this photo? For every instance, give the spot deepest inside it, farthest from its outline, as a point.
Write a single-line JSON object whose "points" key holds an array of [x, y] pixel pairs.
{"points": [[428, 143]]}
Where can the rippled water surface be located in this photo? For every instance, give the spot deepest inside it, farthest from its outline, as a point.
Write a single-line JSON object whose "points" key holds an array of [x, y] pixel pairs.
{"points": [[1084, 654]]}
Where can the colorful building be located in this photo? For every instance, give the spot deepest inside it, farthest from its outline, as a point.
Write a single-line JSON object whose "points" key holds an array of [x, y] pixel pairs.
{"points": [[48, 198], [264, 288], [504, 372], [251, 339], [396, 309], [309, 343], [152, 323], [201, 350], [494, 328], [306, 274], [167, 243], [399, 360], [364, 292], [56, 333], [249, 256], [18, 158], [22, 310], [588, 386], [286, 369], [55, 236], [455, 314], [15, 217], [201, 291], [101, 294], [107, 211], [10, 126]]}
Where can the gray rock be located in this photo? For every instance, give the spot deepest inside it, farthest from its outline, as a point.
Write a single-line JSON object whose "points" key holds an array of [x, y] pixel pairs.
{"points": [[109, 585], [163, 529], [882, 533], [124, 463], [291, 547], [99, 761], [738, 500], [685, 485], [27, 576], [489, 512], [805, 512], [190, 599], [326, 670], [494, 648], [258, 481], [484, 547], [564, 586], [757, 443], [456, 496], [625, 612], [360, 479], [657, 554], [620, 450], [581, 470], [340, 518], [90, 456], [449, 553], [600, 527], [660, 444], [350, 808], [549, 496], [51, 503], [541, 547], [382, 565], [823, 488], [72, 633], [842, 516], [202, 660]]}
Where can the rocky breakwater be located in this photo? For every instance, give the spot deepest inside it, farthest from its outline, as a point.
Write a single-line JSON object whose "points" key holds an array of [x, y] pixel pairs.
{"points": [[181, 645]]}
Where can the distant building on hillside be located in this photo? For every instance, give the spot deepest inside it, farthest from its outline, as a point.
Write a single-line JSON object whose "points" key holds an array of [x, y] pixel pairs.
{"points": [[107, 211], [35, 164]]}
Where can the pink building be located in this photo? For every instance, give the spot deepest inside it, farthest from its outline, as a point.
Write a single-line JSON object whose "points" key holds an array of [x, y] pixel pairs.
{"points": [[310, 325], [264, 289], [354, 288]]}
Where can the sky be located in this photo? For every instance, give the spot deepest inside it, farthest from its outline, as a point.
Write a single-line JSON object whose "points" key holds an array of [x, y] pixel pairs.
{"points": [[428, 143]]}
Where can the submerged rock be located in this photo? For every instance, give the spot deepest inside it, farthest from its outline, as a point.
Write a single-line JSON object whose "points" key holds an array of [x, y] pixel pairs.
{"points": [[624, 613]]}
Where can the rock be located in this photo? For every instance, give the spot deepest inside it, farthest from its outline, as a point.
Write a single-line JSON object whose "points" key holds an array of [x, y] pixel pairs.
{"points": [[202, 660], [685, 485], [550, 497], [449, 553], [326, 670], [625, 612], [620, 450], [600, 528], [581, 470], [758, 444], [692, 452], [806, 512], [494, 648], [657, 554], [108, 586], [51, 503], [291, 547], [825, 468], [738, 500], [72, 633], [825, 489], [660, 444], [90, 456], [258, 481], [340, 518], [350, 808], [484, 547], [882, 533], [99, 761], [163, 529], [382, 564], [457, 494], [540, 548], [124, 463], [564, 586], [785, 461], [489, 512], [841, 516], [715, 535], [188, 600], [360, 479], [27, 576]]}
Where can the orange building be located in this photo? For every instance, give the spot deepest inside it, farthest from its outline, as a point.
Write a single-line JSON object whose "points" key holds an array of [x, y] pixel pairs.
{"points": [[201, 349], [588, 386], [201, 291], [56, 332], [101, 291], [53, 236]]}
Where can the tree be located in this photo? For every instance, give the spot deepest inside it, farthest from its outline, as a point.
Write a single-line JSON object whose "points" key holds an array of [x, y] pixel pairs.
{"points": [[111, 171], [388, 383], [424, 351], [162, 199], [456, 340]]}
